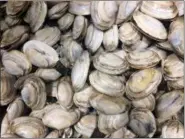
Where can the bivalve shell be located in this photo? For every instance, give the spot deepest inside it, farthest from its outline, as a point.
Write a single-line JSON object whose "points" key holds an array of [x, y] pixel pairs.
{"points": [[79, 7]]}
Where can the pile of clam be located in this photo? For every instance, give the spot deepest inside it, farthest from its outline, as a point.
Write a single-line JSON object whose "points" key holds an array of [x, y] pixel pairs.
{"points": [[85, 69]]}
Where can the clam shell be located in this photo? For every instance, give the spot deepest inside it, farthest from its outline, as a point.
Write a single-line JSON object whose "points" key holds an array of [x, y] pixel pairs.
{"points": [[107, 84], [163, 10], [79, 7], [180, 7], [176, 84], [142, 122], [109, 105], [165, 45], [143, 83], [28, 127], [123, 133], [40, 54], [161, 53], [80, 71], [48, 35], [150, 26], [54, 134], [110, 63]]}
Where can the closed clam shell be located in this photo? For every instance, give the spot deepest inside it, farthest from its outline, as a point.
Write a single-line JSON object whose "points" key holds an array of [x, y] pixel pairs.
{"points": [[110, 63], [107, 84], [163, 10], [176, 84], [123, 133], [126, 9], [79, 27], [128, 34], [143, 83], [47, 74], [79, 7], [28, 127], [110, 38], [40, 54], [93, 39], [58, 10], [180, 7], [103, 13], [48, 35], [161, 53], [19, 34], [108, 124], [165, 45], [86, 125], [63, 118], [54, 134], [172, 129], [169, 104], [65, 93], [150, 26], [16, 63], [142, 59], [173, 68], [80, 71], [142, 122], [36, 15], [66, 21], [176, 36], [147, 102], [108, 104], [7, 90]]}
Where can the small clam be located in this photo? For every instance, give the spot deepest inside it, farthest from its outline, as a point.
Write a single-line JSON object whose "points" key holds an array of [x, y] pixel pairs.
{"points": [[58, 10], [40, 54], [163, 10], [123, 133], [180, 7], [48, 35], [111, 38], [143, 83], [108, 124], [36, 15], [16, 63], [79, 7], [150, 26], [86, 125], [110, 63], [142, 122], [63, 118], [28, 127], [172, 129], [107, 84], [108, 104], [80, 71], [143, 59], [93, 39]]}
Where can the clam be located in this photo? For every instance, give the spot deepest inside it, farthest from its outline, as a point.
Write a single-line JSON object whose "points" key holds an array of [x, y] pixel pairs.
{"points": [[19, 34], [172, 129], [126, 9], [176, 36], [80, 71], [79, 27], [93, 39], [108, 124], [110, 63], [58, 10], [142, 59], [143, 83], [142, 122], [86, 125], [54, 134], [169, 104], [180, 7], [150, 26], [40, 54], [48, 35], [63, 118], [28, 127], [79, 7], [165, 45], [109, 105], [66, 21], [163, 10], [47, 74], [16, 63], [7, 90], [110, 38], [103, 14], [36, 15], [123, 133], [107, 84]]}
